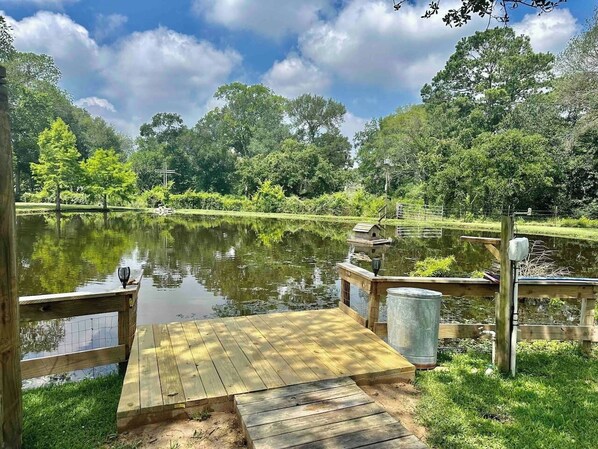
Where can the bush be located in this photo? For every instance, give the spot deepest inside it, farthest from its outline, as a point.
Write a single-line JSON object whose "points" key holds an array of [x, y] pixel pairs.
{"points": [[435, 267], [268, 198]]}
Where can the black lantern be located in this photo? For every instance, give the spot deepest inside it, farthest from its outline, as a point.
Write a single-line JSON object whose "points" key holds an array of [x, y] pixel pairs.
{"points": [[376, 265], [124, 273]]}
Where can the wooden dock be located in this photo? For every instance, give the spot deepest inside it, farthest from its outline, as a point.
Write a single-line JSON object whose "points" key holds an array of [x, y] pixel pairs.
{"points": [[178, 369], [329, 414]]}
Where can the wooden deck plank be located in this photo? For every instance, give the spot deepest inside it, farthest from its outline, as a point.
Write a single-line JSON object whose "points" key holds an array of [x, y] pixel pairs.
{"points": [[320, 433], [378, 434], [266, 372], [170, 379], [408, 442], [282, 368], [208, 374], [306, 410], [246, 371], [266, 395], [317, 329], [320, 362], [298, 399], [130, 403], [150, 390], [288, 353], [320, 419], [226, 370], [191, 381]]}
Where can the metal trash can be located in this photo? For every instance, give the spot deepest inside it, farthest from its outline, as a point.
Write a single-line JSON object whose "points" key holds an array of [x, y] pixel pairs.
{"points": [[413, 321]]}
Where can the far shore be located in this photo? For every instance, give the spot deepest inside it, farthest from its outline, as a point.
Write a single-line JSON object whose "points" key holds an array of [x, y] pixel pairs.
{"points": [[548, 229]]}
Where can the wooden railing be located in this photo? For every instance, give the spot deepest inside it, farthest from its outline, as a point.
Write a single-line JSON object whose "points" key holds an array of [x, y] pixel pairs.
{"points": [[67, 305], [582, 292]]}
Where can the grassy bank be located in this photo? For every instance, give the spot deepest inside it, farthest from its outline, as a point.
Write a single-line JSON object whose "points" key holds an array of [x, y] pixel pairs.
{"points": [[552, 403], [75, 415], [546, 229]]}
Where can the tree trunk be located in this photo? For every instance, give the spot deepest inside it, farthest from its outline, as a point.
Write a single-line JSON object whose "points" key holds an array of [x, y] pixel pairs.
{"points": [[105, 205], [57, 199]]}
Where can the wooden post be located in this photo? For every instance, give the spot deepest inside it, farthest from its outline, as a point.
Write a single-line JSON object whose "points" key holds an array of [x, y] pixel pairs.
{"points": [[587, 319], [345, 292], [505, 299], [127, 322], [11, 414], [373, 306]]}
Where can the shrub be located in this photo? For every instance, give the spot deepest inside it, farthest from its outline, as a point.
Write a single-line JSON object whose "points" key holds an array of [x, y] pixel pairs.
{"points": [[268, 198], [435, 267]]}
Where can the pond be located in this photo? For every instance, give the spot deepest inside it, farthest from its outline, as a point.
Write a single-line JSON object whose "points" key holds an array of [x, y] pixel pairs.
{"points": [[200, 267]]}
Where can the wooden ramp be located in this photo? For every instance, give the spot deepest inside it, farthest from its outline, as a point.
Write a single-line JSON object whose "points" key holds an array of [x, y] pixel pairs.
{"points": [[330, 414], [177, 369]]}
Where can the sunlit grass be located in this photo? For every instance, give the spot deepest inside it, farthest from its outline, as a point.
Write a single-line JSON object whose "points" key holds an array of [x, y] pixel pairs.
{"points": [[552, 403]]}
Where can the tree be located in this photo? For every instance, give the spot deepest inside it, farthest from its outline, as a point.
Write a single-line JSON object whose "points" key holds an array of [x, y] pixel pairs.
{"points": [[499, 170], [108, 177], [7, 48], [497, 9], [311, 114], [252, 117], [58, 166]]}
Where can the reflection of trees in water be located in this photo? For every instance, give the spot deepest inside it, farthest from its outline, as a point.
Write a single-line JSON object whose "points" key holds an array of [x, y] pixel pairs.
{"points": [[41, 336], [58, 254]]}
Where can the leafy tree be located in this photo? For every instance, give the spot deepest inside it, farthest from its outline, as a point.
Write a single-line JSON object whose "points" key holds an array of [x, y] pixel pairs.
{"points": [[499, 170], [58, 166], [487, 75], [311, 114], [7, 48], [498, 9], [108, 177], [252, 118]]}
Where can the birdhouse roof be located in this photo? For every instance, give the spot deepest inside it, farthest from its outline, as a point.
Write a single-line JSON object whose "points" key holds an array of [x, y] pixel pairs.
{"points": [[365, 227]]}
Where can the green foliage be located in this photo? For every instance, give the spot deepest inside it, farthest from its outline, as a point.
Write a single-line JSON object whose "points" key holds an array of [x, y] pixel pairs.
{"points": [[108, 177], [310, 114], [435, 267], [268, 198], [77, 415], [553, 401], [58, 167]]}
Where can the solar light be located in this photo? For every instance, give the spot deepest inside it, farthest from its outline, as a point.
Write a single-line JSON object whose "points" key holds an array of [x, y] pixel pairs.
{"points": [[124, 273], [376, 265]]}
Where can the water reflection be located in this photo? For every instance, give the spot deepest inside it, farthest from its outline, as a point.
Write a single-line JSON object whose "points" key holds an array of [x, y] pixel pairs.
{"points": [[197, 267]]}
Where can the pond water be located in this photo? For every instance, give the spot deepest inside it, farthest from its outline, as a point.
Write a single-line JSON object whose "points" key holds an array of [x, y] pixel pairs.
{"points": [[200, 267]]}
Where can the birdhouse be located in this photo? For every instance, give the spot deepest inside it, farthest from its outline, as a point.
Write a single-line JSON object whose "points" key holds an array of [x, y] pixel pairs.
{"points": [[368, 234]]}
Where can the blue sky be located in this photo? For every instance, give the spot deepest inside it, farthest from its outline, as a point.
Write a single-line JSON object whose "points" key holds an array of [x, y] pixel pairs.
{"points": [[127, 60]]}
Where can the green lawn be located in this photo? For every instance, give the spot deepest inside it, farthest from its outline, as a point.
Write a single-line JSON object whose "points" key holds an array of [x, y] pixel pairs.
{"points": [[73, 415], [552, 403]]}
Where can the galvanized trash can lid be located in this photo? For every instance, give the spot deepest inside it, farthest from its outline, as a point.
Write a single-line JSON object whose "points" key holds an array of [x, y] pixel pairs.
{"points": [[410, 292]]}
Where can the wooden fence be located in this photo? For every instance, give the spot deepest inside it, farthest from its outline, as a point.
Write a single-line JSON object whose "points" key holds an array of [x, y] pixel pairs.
{"points": [[581, 292], [67, 305]]}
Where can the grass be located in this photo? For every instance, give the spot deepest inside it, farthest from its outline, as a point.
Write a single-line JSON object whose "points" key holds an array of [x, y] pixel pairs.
{"points": [[74, 415], [559, 229], [552, 403]]}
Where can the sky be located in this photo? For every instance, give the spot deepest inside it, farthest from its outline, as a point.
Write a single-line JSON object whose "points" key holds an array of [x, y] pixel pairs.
{"points": [[127, 60]]}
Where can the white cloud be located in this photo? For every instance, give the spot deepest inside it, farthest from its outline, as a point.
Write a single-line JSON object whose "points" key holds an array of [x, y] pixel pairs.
{"points": [[352, 125], [162, 70], [549, 31], [271, 18], [147, 72], [294, 76], [368, 43], [108, 25], [76, 54], [95, 105]]}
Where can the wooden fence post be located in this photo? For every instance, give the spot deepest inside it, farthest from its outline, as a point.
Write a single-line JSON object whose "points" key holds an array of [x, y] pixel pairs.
{"points": [[587, 318], [11, 413], [373, 306], [345, 292], [127, 322], [505, 299]]}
